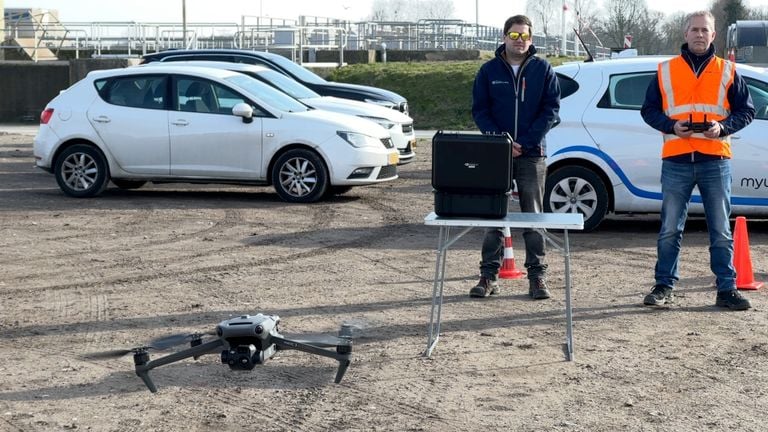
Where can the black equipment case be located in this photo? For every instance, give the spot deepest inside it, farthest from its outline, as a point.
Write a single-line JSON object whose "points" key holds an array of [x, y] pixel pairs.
{"points": [[471, 174]]}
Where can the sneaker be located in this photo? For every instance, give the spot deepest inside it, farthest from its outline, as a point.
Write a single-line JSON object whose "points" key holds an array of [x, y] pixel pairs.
{"points": [[484, 288], [660, 295], [537, 289], [732, 300]]}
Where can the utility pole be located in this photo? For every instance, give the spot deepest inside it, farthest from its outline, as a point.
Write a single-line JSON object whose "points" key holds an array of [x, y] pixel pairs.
{"points": [[477, 24], [184, 23], [563, 46]]}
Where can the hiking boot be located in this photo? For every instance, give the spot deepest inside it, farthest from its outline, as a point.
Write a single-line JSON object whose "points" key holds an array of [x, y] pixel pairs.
{"points": [[484, 288], [537, 289], [732, 300], [660, 295]]}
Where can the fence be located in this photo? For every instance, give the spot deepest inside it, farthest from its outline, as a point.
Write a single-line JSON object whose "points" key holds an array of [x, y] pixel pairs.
{"points": [[36, 34]]}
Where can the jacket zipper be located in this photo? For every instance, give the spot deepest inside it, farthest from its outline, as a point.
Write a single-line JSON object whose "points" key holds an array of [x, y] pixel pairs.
{"points": [[519, 89]]}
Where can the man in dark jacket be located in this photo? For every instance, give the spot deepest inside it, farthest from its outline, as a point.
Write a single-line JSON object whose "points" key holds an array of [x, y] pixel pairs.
{"points": [[518, 93]]}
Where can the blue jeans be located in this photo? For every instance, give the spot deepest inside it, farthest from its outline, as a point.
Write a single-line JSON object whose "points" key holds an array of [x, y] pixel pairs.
{"points": [[713, 179], [529, 174]]}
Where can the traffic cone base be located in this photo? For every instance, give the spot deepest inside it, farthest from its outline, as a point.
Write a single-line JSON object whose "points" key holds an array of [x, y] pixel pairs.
{"points": [[742, 261], [508, 270]]}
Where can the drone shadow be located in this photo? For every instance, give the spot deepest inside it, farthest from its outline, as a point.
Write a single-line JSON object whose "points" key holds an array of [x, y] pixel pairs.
{"points": [[208, 376]]}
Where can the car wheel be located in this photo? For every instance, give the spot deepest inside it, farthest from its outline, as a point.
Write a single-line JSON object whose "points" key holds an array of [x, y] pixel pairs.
{"points": [[576, 189], [128, 184], [81, 171], [300, 176]]}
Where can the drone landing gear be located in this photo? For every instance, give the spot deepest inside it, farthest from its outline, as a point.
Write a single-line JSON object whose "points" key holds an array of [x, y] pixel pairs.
{"points": [[144, 365], [343, 352]]}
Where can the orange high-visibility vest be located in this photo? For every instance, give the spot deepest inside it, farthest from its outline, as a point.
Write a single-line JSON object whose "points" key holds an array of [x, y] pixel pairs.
{"points": [[683, 94]]}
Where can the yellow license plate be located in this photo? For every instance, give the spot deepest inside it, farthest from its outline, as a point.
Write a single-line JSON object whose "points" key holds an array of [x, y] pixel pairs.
{"points": [[393, 158]]}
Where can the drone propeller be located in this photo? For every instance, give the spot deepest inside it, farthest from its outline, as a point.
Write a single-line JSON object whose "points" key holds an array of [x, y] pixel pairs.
{"points": [[158, 344], [173, 340], [114, 353], [319, 340]]}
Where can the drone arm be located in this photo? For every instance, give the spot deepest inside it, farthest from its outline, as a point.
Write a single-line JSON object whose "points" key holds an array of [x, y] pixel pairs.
{"points": [[344, 358], [143, 367]]}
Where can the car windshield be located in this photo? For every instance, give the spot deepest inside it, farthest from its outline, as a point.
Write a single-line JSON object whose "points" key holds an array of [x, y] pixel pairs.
{"points": [[286, 84], [274, 98], [298, 71]]}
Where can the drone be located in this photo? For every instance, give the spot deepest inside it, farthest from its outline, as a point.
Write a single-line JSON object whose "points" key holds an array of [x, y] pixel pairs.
{"points": [[243, 343]]}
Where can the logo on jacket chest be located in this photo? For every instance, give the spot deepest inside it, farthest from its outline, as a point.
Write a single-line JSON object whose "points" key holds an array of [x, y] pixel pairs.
{"points": [[499, 82]]}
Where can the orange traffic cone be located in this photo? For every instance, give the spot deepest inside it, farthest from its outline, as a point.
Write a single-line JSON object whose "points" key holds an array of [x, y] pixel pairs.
{"points": [[742, 261], [508, 270]]}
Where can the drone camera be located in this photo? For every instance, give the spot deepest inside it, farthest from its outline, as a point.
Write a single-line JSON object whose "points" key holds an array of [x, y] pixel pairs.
{"points": [[241, 357], [246, 357]]}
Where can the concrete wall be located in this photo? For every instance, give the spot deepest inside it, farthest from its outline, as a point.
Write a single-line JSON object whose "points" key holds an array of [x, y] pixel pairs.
{"points": [[26, 87]]}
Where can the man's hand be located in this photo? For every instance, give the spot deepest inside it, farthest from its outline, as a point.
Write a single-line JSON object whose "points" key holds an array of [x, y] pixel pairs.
{"points": [[713, 131], [682, 130], [517, 149]]}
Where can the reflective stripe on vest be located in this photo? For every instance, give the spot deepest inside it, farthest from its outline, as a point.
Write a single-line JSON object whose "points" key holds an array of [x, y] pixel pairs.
{"points": [[682, 100]]}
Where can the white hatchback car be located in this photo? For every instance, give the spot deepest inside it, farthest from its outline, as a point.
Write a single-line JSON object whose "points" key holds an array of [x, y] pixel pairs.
{"points": [[399, 125], [603, 157], [202, 125]]}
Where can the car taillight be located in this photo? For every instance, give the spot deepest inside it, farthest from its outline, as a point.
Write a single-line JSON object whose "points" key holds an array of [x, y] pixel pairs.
{"points": [[46, 115]]}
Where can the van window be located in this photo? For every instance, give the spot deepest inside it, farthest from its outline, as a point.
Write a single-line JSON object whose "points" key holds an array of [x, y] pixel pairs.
{"points": [[759, 92], [626, 91]]}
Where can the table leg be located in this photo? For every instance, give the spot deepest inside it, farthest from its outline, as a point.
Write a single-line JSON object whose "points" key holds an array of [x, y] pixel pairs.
{"points": [[437, 291], [568, 310]]}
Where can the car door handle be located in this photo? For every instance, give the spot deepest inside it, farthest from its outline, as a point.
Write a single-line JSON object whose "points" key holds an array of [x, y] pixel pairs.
{"points": [[735, 136], [180, 122], [102, 119]]}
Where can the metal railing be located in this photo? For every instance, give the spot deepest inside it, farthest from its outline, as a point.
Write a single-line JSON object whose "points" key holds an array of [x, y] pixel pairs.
{"points": [[307, 34]]}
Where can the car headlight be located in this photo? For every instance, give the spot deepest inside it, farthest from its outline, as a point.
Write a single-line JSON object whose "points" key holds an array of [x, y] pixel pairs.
{"points": [[359, 140], [386, 124], [384, 103]]}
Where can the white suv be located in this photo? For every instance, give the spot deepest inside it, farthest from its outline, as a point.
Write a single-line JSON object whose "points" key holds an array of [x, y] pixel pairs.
{"points": [[202, 125], [399, 125], [603, 157]]}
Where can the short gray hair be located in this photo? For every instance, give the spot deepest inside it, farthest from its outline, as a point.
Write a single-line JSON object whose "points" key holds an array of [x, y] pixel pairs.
{"points": [[702, 13]]}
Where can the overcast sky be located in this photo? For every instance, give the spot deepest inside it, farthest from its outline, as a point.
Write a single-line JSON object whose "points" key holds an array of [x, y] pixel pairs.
{"points": [[490, 12]]}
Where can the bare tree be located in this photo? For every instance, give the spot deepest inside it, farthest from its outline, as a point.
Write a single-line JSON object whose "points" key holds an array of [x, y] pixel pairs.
{"points": [[435, 9], [586, 20], [758, 13], [544, 14], [645, 35], [413, 10], [672, 30], [620, 18]]}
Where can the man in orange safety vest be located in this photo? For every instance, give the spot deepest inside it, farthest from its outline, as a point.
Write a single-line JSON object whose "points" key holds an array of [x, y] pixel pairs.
{"points": [[697, 100]]}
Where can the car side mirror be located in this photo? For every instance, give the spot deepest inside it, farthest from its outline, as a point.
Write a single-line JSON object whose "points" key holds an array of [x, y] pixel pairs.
{"points": [[243, 110]]}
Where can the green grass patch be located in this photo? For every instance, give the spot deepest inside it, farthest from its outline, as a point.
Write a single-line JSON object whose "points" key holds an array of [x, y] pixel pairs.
{"points": [[439, 93]]}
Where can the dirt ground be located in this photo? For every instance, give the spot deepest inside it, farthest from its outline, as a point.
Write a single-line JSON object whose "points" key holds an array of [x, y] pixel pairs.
{"points": [[88, 275]]}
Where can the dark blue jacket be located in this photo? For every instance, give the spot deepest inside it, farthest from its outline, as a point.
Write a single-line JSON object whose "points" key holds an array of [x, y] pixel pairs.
{"points": [[742, 108], [525, 106]]}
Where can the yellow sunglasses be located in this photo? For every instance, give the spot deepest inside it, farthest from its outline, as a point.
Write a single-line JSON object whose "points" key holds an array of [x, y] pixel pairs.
{"points": [[516, 36]]}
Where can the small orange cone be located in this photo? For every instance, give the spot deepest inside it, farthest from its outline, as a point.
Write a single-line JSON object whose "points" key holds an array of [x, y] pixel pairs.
{"points": [[508, 270], [742, 261]]}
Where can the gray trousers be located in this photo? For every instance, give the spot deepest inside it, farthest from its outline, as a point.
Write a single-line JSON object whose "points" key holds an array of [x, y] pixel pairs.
{"points": [[529, 174]]}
